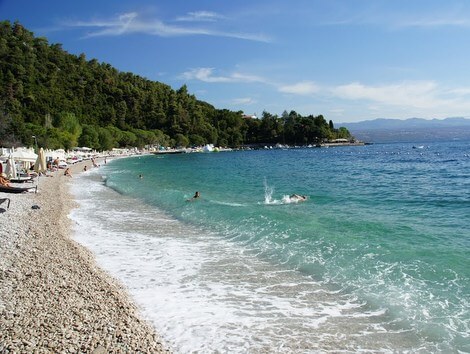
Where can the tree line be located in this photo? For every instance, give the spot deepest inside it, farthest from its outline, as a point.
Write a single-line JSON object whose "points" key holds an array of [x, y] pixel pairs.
{"points": [[65, 100]]}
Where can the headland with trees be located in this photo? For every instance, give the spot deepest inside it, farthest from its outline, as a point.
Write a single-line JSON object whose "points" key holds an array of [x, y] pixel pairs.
{"points": [[64, 100]]}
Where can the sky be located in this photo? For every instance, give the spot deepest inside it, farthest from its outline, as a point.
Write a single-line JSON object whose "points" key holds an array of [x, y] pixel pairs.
{"points": [[349, 60]]}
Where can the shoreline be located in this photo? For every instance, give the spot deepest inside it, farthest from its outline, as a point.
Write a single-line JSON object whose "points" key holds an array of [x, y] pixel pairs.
{"points": [[53, 296]]}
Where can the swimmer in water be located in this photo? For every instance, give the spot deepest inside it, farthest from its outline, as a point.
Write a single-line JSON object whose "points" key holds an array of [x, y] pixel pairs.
{"points": [[196, 196], [298, 198]]}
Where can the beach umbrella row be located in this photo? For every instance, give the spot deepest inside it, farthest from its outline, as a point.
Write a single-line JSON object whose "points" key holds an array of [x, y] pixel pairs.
{"points": [[10, 169], [24, 156], [40, 164]]}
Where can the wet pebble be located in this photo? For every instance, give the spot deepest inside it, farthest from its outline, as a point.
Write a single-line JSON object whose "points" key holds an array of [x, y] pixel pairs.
{"points": [[53, 297]]}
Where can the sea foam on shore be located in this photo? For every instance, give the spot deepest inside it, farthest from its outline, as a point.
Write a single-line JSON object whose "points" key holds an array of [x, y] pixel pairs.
{"points": [[53, 297]]}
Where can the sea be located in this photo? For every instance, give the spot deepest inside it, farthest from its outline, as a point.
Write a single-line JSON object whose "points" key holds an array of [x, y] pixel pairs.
{"points": [[375, 260]]}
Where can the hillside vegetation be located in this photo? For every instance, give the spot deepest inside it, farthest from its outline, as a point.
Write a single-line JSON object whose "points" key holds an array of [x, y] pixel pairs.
{"points": [[65, 100]]}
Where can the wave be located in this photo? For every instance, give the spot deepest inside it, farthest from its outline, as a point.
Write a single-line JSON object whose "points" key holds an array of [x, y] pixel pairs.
{"points": [[233, 204]]}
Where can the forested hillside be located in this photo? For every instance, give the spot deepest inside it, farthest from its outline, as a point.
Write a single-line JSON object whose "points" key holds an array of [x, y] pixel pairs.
{"points": [[65, 100]]}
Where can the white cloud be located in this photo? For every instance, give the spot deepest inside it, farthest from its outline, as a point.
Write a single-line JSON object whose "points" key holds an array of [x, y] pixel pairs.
{"points": [[408, 98], [207, 75], [403, 99], [248, 78], [436, 23], [300, 88], [426, 98], [412, 94], [460, 91], [129, 23], [434, 16], [243, 101], [422, 94], [452, 18], [200, 16], [337, 110]]}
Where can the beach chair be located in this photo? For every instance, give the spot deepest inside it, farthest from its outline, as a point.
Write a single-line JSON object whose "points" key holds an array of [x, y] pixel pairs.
{"points": [[3, 200]]}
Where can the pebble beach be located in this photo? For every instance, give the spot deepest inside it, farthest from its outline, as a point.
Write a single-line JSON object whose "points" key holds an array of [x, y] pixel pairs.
{"points": [[53, 296]]}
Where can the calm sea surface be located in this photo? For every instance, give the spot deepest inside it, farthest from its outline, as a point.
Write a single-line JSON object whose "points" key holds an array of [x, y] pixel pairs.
{"points": [[377, 259]]}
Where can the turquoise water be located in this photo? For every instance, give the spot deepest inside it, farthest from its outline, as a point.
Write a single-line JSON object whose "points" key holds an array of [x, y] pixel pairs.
{"points": [[377, 257]]}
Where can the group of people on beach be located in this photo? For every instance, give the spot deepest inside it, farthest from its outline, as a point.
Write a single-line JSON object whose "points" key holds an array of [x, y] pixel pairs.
{"points": [[68, 173], [93, 163], [53, 166]]}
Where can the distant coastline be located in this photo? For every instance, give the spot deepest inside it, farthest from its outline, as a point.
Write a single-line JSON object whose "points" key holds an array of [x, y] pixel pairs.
{"points": [[410, 130]]}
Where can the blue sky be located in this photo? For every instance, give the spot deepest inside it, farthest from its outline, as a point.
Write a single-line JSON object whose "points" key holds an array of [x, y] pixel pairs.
{"points": [[350, 60]]}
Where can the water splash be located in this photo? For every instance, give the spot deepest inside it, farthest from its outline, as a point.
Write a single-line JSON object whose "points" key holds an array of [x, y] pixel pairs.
{"points": [[268, 196], [268, 193]]}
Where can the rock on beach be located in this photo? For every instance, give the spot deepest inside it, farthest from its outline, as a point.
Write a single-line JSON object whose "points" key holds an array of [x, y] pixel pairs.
{"points": [[53, 296]]}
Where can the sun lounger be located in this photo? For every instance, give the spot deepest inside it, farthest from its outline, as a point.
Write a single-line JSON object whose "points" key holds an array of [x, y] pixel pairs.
{"points": [[3, 200], [22, 179], [5, 189]]}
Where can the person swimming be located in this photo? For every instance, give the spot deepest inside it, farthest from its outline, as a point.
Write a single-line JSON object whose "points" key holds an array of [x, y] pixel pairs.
{"points": [[196, 196], [298, 198]]}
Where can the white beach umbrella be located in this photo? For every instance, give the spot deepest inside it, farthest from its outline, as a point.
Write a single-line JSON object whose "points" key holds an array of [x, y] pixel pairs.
{"points": [[40, 164], [24, 156], [10, 170]]}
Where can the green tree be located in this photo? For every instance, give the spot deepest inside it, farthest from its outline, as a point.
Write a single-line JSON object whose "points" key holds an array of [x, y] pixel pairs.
{"points": [[45, 87], [69, 123], [181, 140], [128, 139], [343, 133], [105, 138], [196, 140], [89, 137]]}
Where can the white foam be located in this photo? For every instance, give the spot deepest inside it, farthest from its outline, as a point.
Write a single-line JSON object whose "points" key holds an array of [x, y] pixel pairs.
{"points": [[205, 294], [228, 203], [286, 199]]}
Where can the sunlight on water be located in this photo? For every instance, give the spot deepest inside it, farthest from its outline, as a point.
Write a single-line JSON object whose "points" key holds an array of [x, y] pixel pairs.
{"points": [[365, 264]]}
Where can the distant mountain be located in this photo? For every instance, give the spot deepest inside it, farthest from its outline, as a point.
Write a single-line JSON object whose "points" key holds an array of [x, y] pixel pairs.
{"points": [[410, 130]]}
